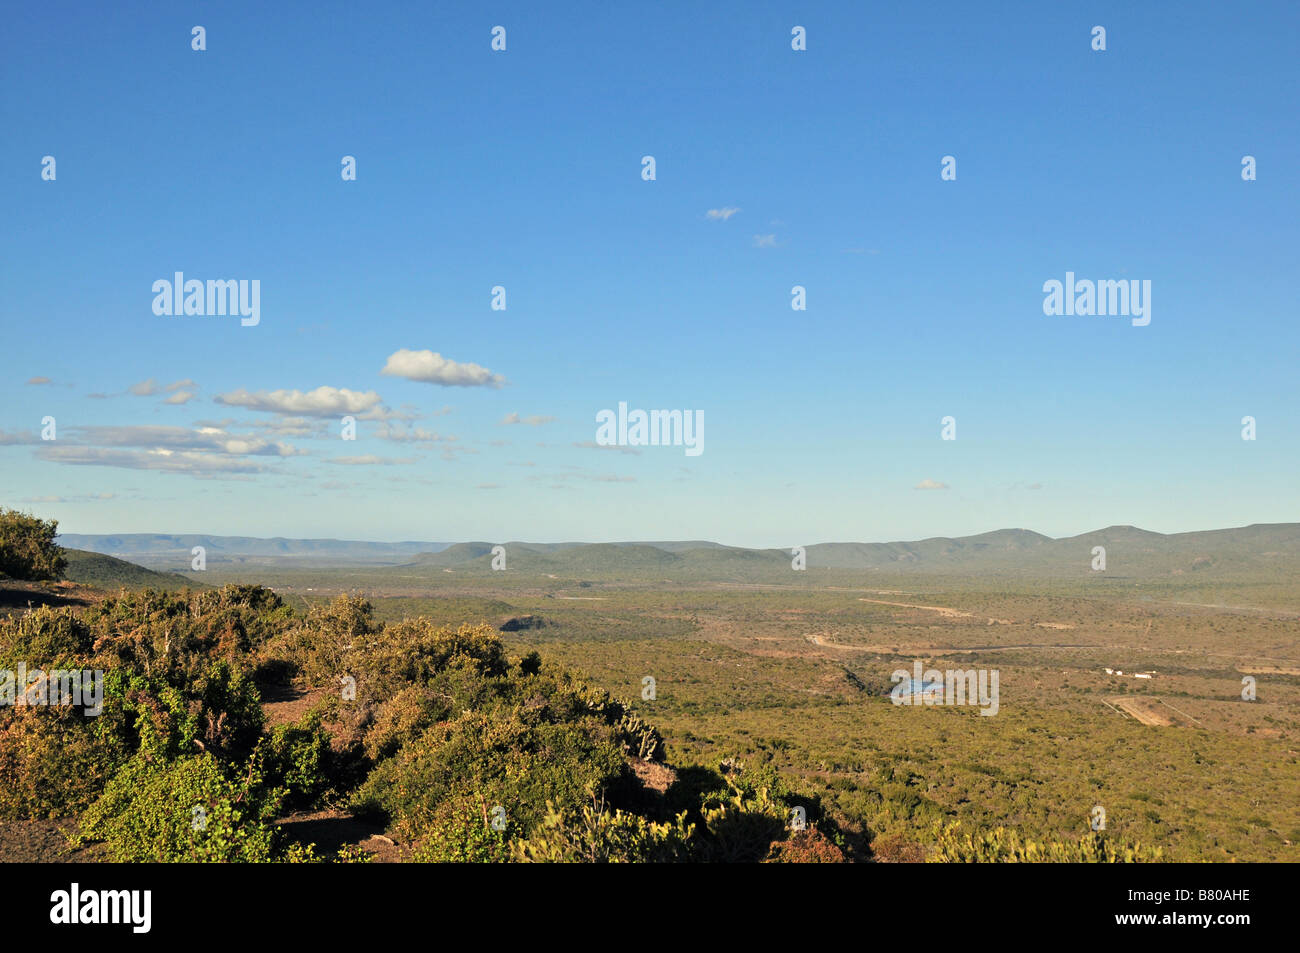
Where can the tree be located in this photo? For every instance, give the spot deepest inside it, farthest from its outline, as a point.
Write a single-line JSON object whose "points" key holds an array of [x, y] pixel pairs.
{"points": [[27, 547]]}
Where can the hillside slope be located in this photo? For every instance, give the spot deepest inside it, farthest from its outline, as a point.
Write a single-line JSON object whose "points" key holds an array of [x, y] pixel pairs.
{"points": [[109, 572]]}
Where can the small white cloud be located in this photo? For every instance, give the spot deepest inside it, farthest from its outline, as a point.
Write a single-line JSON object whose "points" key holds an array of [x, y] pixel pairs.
{"points": [[370, 460], [592, 445], [430, 367], [144, 388], [721, 214], [764, 241], [180, 397], [534, 421], [930, 485], [410, 434]]}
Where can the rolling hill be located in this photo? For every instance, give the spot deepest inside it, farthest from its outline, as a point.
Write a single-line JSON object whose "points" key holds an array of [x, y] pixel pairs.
{"points": [[108, 572], [1269, 548]]}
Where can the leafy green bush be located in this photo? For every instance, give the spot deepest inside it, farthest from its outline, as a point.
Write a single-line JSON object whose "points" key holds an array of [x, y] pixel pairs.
{"points": [[299, 760], [512, 759], [27, 547], [462, 832], [190, 809]]}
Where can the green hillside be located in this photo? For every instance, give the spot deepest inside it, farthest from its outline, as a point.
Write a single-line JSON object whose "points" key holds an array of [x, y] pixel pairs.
{"points": [[108, 572]]}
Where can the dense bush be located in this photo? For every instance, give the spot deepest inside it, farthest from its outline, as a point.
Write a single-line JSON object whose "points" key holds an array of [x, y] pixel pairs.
{"points": [[190, 809], [462, 831], [27, 547], [300, 760], [515, 760]]}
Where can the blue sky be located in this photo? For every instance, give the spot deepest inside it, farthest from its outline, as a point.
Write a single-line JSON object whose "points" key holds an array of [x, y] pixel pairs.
{"points": [[523, 169]]}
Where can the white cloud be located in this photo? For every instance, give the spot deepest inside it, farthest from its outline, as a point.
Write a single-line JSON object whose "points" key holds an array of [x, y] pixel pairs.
{"points": [[85, 498], [930, 485], [764, 241], [321, 402], [180, 397], [194, 464], [534, 421], [207, 439], [593, 477], [592, 445], [144, 388], [18, 438], [429, 367], [369, 459], [721, 214], [411, 435]]}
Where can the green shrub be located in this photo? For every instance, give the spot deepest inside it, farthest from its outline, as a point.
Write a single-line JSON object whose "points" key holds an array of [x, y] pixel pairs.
{"points": [[595, 836], [319, 646], [462, 832], [299, 760], [505, 758], [190, 809], [27, 547], [955, 846], [54, 761]]}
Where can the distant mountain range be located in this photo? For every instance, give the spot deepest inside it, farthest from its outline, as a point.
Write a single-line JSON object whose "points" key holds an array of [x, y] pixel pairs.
{"points": [[1270, 547], [174, 551]]}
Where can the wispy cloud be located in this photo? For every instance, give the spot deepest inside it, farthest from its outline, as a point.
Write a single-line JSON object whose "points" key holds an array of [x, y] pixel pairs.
{"points": [[534, 421], [207, 439], [36, 381], [411, 434], [18, 438], [764, 241], [370, 460], [321, 402], [721, 214], [84, 498], [592, 477], [170, 461], [592, 445]]}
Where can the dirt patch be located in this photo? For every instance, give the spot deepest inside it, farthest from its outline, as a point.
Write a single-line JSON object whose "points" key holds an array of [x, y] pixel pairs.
{"points": [[15, 596], [23, 842], [943, 611], [1146, 710], [1153, 711], [285, 704], [332, 830]]}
